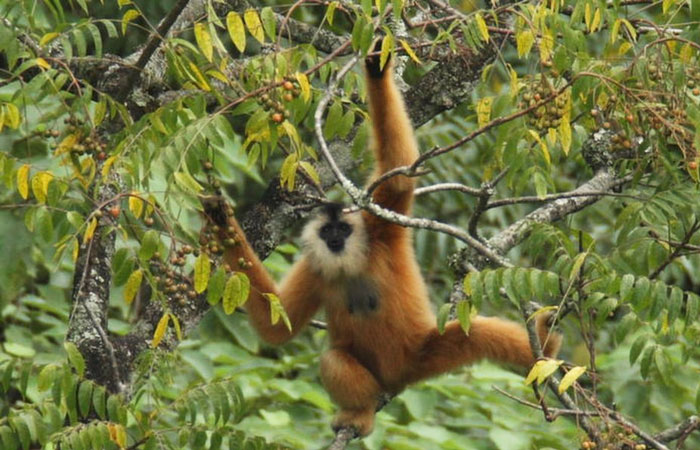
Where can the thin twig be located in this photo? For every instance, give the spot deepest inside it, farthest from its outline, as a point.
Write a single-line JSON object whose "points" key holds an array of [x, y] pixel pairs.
{"points": [[152, 45], [554, 412]]}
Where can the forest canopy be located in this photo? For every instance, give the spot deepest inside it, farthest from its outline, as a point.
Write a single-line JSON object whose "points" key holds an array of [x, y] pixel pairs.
{"points": [[558, 174]]}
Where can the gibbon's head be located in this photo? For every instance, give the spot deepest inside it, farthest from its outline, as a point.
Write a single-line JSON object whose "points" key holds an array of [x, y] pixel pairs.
{"points": [[336, 243]]}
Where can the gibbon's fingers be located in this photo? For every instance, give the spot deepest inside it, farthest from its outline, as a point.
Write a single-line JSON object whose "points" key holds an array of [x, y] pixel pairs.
{"points": [[489, 338], [297, 292], [353, 388]]}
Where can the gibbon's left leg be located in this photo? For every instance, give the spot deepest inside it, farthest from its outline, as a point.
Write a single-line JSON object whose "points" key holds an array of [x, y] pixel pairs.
{"points": [[352, 387], [489, 338]]}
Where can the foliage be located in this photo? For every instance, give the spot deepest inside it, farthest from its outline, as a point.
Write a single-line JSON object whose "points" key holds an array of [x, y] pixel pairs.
{"points": [[226, 106]]}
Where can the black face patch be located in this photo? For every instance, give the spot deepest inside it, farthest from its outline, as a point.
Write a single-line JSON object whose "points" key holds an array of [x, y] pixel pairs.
{"points": [[334, 234], [361, 295]]}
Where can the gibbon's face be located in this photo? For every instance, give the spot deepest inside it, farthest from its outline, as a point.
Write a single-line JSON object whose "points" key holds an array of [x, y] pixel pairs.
{"points": [[334, 234], [335, 242]]}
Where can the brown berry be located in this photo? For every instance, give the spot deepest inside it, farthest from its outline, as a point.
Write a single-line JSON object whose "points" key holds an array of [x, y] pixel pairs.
{"points": [[148, 221], [692, 165], [114, 211], [277, 117], [288, 85], [288, 97]]}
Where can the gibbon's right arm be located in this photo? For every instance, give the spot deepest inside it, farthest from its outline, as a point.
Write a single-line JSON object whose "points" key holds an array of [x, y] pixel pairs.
{"points": [[297, 292], [394, 143]]}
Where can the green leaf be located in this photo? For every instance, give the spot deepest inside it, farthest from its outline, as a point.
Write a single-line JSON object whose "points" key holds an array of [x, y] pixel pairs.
{"points": [[626, 287], [133, 284], [186, 181], [19, 350], [202, 270], [149, 245], [277, 311], [217, 283], [84, 398], [663, 364], [637, 348], [75, 358], [464, 315], [269, 22], [576, 267], [442, 316], [236, 292]]}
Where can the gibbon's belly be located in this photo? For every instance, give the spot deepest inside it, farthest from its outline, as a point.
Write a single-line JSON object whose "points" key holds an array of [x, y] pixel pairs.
{"points": [[383, 340]]}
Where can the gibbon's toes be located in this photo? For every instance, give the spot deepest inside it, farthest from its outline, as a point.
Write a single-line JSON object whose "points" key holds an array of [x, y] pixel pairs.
{"points": [[373, 63], [549, 339], [362, 421]]}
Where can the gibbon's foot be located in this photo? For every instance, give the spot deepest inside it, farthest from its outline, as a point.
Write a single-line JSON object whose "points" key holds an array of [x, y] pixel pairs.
{"points": [[362, 421], [373, 62], [550, 340]]}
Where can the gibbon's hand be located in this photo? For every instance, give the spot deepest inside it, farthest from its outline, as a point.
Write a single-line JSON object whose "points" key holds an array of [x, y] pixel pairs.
{"points": [[372, 62]]}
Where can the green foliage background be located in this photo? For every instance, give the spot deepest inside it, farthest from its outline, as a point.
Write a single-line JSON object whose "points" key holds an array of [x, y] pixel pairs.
{"points": [[628, 266]]}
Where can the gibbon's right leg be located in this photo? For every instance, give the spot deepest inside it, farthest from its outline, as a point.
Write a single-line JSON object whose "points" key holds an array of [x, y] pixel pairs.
{"points": [[489, 338], [353, 388]]}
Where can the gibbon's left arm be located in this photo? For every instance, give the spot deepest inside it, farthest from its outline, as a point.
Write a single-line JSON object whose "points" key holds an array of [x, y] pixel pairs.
{"points": [[297, 292]]}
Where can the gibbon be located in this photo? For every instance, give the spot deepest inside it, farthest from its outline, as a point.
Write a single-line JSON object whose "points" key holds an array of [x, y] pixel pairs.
{"points": [[363, 271]]}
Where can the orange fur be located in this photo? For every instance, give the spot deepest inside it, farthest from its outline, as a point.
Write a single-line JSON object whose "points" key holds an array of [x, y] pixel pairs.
{"points": [[398, 344]]}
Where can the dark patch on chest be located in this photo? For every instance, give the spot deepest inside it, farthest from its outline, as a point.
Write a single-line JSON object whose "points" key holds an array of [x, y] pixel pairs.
{"points": [[361, 295]]}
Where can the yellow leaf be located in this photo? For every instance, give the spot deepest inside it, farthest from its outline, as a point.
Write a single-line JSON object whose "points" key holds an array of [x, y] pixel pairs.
{"points": [[203, 38], [524, 41], [12, 116], [108, 165], [614, 31], [236, 30], [548, 367], [624, 48], [409, 51], [329, 12], [483, 110], [90, 230], [387, 47], [571, 376], [666, 5], [135, 204], [534, 372], [40, 185], [546, 45], [304, 85], [481, 25], [587, 16], [277, 311], [48, 37], [76, 250], [123, 2], [66, 144], [23, 181], [176, 324], [686, 53], [133, 284], [595, 23], [128, 17], [252, 21], [41, 62], [201, 81], [160, 330], [543, 146], [630, 29], [565, 136], [514, 86], [202, 269]]}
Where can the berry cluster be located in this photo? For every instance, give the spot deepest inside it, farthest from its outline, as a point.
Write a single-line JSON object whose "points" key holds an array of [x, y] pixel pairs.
{"points": [[274, 101]]}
